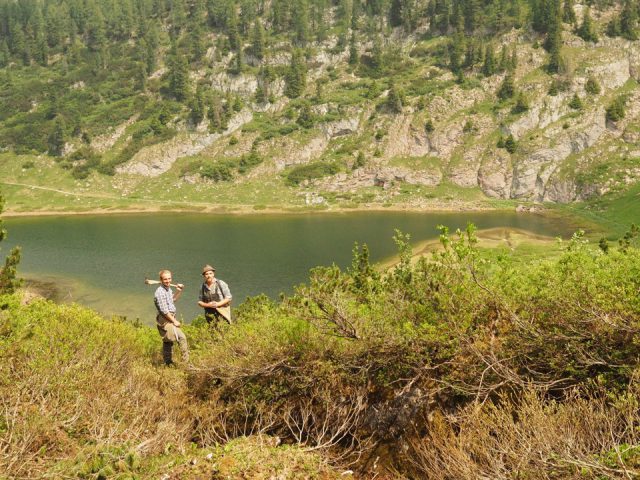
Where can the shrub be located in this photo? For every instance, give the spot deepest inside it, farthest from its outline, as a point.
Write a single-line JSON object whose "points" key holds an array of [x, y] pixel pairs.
{"points": [[428, 126], [522, 104], [510, 144], [576, 102], [592, 86], [616, 110], [310, 171], [507, 88]]}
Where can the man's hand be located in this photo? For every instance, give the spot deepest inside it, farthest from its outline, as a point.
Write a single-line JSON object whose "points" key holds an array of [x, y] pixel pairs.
{"points": [[180, 287], [176, 323]]}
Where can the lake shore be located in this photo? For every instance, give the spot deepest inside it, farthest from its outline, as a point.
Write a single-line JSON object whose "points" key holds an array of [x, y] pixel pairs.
{"points": [[266, 210]]}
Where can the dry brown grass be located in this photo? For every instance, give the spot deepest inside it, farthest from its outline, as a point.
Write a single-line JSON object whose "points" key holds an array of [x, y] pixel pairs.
{"points": [[534, 438], [74, 380]]}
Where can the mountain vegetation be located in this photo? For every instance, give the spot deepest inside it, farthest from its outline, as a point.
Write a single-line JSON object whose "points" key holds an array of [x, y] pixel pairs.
{"points": [[468, 364], [263, 103]]}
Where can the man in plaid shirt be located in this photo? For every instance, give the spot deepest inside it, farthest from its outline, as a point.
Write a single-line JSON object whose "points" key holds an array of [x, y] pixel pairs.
{"points": [[167, 323]]}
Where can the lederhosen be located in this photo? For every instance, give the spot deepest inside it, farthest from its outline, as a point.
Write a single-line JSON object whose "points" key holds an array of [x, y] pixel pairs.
{"points": [[212, 295]]}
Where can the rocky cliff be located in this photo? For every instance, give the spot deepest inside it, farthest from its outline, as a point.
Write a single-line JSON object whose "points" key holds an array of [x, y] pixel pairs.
{"points": [[564, 151]]}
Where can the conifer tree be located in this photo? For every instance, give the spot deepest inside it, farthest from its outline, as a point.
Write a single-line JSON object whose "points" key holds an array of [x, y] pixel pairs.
{"points": [[576, 102], [196, 42], [257, 40], [505, 61], [377, 63], [260, 95], [587, 30], [8, 274], [305, 118], [198, 106], [628, 21], [178, 15], [568, 13], [216, 116], [179, 77], [56, 139], [510, 144], [489, 67], [507, 88], [353, 49], [301, 22], [456, 50], [4, 54], [513, 63], [233, 32], [471, 15], [394, 99], [295, 78]]}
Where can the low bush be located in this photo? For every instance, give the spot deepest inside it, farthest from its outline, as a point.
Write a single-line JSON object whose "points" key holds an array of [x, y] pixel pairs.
{"points": [[298, 174], [479, 365]]}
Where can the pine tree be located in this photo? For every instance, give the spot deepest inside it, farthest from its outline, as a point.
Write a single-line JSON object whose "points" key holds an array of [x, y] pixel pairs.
{"points": [[394, 99], [628, 21], [576, 103], [510, 144], [216, 116], [301, 23], [504, 63], [568, 13], [4, 54], [507, 88], [295, 78], [616, 110], [233, 32], [198, 106], [198, 47], [471, 15], [395, 13], [257, 41], [9, 282], [305, 118], [587, 30], [456, 50], [56, 139], [179, 77], [353, 49], [489, 67], [260, 95], [522, 104], [377, 63]]}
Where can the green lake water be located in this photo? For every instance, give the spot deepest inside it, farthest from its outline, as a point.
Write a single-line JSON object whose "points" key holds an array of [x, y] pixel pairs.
{"points": [[101, 261]]}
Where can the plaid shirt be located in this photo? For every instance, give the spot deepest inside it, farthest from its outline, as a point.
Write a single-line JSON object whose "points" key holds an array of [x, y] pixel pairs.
{"points": [[163, 299]]}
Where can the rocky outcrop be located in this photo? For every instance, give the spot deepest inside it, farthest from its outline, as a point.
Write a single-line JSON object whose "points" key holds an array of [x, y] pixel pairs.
{"points": [[404, 139], [104, 142], [157, 159], [496, 174], [555, 142]]}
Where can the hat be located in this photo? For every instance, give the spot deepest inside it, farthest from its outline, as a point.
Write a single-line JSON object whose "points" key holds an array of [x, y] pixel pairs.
{"points": [[207, 268]]}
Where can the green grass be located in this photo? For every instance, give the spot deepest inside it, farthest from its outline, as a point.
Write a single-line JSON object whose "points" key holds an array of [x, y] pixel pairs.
{"points": [[417, 163], [613, 213]]}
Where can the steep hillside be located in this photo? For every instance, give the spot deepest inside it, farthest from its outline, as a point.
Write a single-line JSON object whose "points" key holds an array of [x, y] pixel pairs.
{"points": [[412, 103]]}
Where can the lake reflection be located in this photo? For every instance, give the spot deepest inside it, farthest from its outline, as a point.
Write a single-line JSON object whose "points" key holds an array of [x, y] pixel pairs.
{"points": [[101, 261]]}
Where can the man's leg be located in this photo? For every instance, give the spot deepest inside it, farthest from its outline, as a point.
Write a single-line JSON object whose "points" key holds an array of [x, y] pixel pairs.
{"points": [[166, 352], [181, 338]]}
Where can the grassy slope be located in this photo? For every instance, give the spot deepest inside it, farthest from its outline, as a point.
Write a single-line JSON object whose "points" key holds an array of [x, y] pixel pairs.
{"points": [[86, 397]]}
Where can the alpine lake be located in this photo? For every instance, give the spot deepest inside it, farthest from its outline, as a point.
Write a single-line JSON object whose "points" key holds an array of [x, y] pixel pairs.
{"points": [[101, 261]]}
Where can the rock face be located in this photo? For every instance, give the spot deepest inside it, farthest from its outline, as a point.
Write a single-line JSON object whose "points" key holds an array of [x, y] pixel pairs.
{"points": [[157, 159], [555, 142], [496, 174]]}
